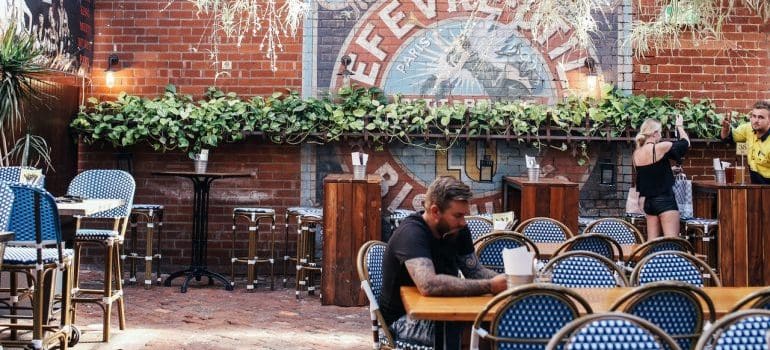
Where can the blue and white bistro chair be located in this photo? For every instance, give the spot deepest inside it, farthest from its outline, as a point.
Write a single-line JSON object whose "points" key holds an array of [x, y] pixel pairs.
{"points": [[103, 184], [611, 331], [584, 269], [757, 300], [38, 254], [544, 230], [619, 230], [479, 226], [741, 330], [13, 174], [489, 248], [674, 266]]}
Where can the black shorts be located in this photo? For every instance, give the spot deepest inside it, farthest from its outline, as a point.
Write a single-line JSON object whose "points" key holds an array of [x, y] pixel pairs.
{"points": [[660, 204]]}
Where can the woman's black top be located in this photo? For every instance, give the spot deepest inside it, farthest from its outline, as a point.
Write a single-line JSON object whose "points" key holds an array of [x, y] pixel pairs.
{"points": [[657, 178]]}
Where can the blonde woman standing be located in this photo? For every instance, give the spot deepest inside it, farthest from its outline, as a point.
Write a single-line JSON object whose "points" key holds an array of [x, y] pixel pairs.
{"points": [[654, 176]]}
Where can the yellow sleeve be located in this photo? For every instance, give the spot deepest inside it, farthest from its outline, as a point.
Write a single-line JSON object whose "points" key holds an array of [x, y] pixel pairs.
{"points": [[741, 133]]}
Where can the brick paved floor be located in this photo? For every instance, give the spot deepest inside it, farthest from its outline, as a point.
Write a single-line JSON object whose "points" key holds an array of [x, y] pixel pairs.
{"points": [[208, 317]]}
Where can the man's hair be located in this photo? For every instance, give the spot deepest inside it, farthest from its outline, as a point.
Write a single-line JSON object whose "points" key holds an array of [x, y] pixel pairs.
{"points": [[446, 189], [762, 104]]}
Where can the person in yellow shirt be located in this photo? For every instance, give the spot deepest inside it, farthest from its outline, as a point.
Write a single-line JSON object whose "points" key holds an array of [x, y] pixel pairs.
{"points": [[756, 135]]}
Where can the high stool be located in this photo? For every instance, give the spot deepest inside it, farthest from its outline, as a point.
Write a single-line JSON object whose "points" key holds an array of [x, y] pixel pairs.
{"points": [[253, 216], [702, 233], [151, 215], [308, 263], [297, 214]]}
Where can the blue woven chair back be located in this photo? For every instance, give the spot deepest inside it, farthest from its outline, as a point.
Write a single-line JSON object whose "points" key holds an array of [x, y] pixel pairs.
{"points": [[670, 246], [490, 252], [676, 313], [544, 231], [479, 227], [535, 317], [670, 267], [6, 204], [22, 222], [581, 271], [618, 230], [749, 333], [12, 173], [594, 243], [613, 334], [105, 184], [374, 257]]}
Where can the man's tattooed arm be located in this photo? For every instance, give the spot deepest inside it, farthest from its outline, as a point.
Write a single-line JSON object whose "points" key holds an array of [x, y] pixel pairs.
{"points": [[429, 283], [472, 268]]}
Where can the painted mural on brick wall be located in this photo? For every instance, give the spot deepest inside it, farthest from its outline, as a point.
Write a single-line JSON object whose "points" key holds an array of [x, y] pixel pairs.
{"points": [[64, 29], [447, 51]]}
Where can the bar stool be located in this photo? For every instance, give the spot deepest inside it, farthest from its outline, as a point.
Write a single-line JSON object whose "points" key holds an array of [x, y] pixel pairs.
{"points": [[308, 262], [298, 214], [151, 215], [702, 234], [253, 216]]}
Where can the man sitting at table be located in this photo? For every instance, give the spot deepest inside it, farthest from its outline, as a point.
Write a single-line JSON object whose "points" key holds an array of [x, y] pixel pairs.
{"points": [[756, 133], [427, 250]]}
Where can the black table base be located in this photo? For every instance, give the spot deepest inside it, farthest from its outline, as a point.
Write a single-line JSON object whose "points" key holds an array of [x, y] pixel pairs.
{"points": [[197, 273]]}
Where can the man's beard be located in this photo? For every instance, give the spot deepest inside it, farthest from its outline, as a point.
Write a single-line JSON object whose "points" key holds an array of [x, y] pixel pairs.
{"points": [[444, 230]]}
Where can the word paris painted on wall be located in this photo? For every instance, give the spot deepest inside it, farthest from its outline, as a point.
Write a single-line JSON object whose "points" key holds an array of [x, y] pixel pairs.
{"points": [[446, 51]]}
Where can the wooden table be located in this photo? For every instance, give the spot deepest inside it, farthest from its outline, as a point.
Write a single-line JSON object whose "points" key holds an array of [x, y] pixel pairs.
{"points": [[743, 244], [548, 197], [547, 249], [352, 210], [87, 206], [601, 299], [200, 235]]}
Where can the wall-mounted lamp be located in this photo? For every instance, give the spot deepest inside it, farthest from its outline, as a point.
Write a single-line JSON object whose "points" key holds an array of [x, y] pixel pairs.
{"points": [[591, 78], [607, 172], [486, 168], [112, 67], [346, 73]]}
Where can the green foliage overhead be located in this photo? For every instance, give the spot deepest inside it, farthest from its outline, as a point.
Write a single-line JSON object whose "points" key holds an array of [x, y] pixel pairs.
{"points": [[176, 121]]}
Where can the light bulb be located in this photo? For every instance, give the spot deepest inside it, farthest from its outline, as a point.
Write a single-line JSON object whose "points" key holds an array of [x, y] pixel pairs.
{"points": [[109, 79], [591, 83]]}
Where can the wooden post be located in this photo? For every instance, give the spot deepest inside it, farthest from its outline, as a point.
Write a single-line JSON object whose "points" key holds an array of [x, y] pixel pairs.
{"points": [[548, 197], [352, 210]]}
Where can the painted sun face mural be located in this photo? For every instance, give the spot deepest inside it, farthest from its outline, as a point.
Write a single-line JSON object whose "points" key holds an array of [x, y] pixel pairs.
{"points": [[445, 52]]}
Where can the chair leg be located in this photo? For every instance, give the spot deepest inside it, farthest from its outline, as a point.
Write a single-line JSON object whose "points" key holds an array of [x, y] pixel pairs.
{"points": [[159, 248], [148, 256], [107, 304], [119, 292], [75, 276]]}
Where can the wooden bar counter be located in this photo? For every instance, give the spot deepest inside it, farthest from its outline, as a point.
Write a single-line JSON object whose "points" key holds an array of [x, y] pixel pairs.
{"points": [[351, 218], [743, 242], [548, 197]]}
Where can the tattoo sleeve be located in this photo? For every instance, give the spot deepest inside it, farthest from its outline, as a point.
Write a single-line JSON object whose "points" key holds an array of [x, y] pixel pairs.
{"points": [[471, 268], [424, 275]]}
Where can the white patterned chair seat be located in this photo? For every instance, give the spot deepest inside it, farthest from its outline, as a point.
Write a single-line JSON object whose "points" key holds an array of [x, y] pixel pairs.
{"points": [[147, 206], [267, 211], [705, 223], [305, 211], [28, 255], [96, 234]]}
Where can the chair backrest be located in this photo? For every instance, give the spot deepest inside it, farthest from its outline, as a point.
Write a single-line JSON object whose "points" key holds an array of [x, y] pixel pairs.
{"points": [[744, 330], [658, 245], [490, 248], [620, 230], [13, 173], [398, 215], [369, 265], [105, 184], [583, 269], [542, 229], [673, 266], [597, 243], [527, 316], [22, 221], [479, 226], [612, 330], [757, 300], [6, 205], [676, 307]]}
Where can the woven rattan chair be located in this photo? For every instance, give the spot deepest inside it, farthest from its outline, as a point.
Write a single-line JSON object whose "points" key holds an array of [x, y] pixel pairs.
{"points": [[308, 221], [620, 230], [38, 254], [597, 243], [676, 307], [542, 229], [369, 265], [151, 216], [253, 217], [105, 184], [612, 330], [658, 245], [741, 330], [479, 226], [490, 248], [583, 269], [527, 316], [757, 300], [673, 266]]}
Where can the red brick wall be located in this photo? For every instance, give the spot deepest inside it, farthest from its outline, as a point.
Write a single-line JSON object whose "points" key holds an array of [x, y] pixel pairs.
{"points": [[154, 50]]}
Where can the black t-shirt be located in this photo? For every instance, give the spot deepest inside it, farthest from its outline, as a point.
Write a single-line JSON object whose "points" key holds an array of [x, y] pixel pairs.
{"points": [[657, 178], [413, 239]]}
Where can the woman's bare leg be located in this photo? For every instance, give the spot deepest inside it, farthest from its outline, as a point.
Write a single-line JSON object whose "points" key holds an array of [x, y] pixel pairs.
{"points": [[669, 220], [653, 227]]}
